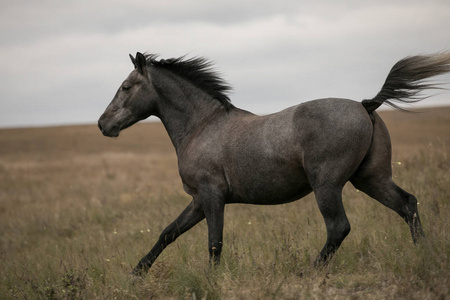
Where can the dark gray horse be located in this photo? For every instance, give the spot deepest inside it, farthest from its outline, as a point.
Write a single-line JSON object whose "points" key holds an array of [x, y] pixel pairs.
{"points": [[228, 155]]}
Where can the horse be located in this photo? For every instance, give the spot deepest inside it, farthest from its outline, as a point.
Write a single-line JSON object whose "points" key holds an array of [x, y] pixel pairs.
{"points": [[229, 155]]}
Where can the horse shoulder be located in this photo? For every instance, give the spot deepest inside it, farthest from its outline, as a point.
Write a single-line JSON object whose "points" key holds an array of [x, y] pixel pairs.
{"points": [[200, 163]]}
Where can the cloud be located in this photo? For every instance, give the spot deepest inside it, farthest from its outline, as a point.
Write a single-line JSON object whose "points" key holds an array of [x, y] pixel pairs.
{"points": [[66, 59]]}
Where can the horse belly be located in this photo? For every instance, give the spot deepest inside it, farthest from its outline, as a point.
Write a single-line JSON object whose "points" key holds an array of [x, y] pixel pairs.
{"points": [[268, 185]]}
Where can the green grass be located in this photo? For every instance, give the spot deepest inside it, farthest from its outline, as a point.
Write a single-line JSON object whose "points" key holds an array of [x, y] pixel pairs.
{"points": [[76, 215]]}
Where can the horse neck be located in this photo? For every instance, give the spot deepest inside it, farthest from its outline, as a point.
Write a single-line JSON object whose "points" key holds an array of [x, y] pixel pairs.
{"points": [[183, 108]]}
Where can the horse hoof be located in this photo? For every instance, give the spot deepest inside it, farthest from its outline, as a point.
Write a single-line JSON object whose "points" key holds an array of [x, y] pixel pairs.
{"points": [[135, 278], [136, 272]]}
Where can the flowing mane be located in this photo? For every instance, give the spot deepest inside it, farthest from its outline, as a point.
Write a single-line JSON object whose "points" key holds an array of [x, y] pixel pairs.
{"points": [[197, 70]]}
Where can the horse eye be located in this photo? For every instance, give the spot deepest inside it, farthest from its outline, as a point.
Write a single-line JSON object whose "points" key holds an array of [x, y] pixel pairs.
{"points": [[126, 87]]}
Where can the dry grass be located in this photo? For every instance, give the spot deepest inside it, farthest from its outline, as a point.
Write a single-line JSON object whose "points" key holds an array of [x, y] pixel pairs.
{"points": [[78, 210]]}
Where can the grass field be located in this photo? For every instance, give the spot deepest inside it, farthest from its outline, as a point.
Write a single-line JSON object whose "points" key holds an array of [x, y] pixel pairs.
{"points": [[78, 210]]}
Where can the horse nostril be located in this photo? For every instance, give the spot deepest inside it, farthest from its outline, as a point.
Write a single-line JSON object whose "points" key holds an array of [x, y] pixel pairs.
{"points": [[100, 126]]}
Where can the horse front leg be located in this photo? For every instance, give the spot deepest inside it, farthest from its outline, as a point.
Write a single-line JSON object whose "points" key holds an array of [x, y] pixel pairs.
{"points": [[214, 208], [191, 215]]}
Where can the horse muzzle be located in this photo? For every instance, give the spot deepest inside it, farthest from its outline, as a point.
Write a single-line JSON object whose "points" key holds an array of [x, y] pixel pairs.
{"points": [[107, 128]]}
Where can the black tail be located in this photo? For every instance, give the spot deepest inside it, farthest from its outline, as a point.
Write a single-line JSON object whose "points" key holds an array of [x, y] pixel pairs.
{"points": [[405, 81]]}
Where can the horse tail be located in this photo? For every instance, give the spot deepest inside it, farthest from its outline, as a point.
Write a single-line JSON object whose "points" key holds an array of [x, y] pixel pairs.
{"points": [[405, 81]]}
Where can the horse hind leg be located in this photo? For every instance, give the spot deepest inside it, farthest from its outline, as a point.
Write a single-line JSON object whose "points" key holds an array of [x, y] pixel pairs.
{"points": [[329, 200], [374, 177], [389, 194]]}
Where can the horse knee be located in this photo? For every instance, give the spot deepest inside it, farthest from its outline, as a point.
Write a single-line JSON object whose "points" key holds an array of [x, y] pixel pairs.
{"points": [[167, 237]]}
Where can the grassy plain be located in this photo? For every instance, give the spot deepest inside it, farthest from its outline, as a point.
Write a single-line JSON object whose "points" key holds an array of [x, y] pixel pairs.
{"points": [[78, 210]]}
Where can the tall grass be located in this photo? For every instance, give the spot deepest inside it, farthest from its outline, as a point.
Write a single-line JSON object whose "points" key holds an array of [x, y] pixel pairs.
{"points": [[78, 211]]}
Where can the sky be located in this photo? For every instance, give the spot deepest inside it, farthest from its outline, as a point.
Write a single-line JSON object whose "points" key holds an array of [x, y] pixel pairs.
{"points": [[61, 62]]}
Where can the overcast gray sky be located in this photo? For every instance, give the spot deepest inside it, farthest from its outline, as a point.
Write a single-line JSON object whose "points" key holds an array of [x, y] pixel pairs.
{"points": [[62, 61]]}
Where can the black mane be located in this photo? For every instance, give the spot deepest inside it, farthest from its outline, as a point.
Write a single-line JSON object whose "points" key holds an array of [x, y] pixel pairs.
{"points": [[197, 70]]}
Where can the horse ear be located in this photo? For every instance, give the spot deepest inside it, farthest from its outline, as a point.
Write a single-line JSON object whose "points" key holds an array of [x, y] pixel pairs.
{"points": [[133, 60], [140, 62]]}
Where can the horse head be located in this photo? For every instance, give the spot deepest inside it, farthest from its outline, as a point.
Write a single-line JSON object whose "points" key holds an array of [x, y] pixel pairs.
{"points": [[135, 100]]}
